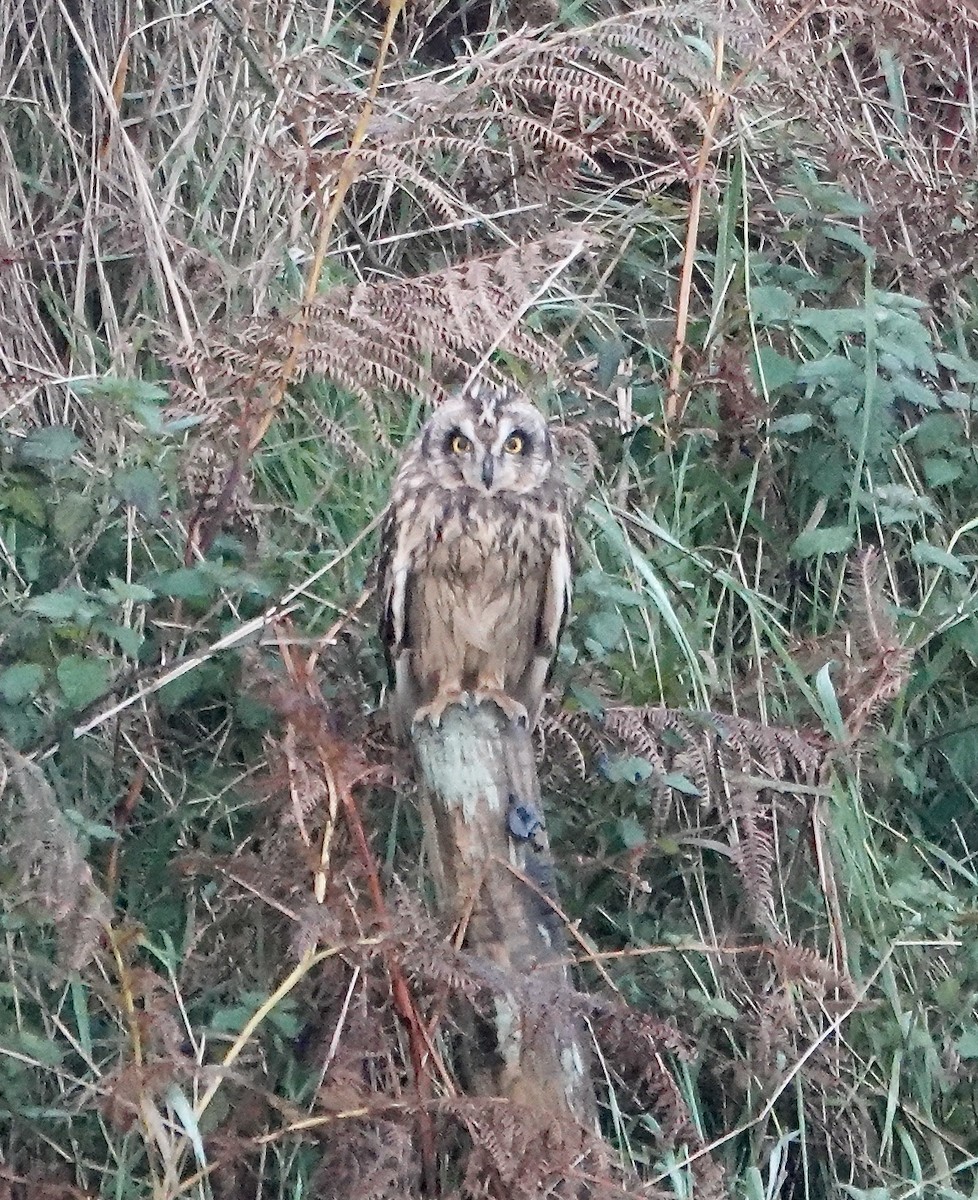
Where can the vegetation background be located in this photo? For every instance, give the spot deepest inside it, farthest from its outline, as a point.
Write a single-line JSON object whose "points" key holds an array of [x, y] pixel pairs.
{"points": [[732, 246]]}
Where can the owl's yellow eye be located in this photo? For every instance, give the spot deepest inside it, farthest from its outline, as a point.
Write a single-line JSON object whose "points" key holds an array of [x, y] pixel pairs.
{"points": [[460, 444], [513, 444]]}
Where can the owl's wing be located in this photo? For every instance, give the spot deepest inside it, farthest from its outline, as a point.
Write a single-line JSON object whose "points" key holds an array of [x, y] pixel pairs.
{"points": [[555, 600], [396, 577]]}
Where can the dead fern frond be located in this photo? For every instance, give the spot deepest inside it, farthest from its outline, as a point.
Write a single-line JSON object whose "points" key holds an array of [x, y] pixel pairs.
{"points": [[415, 336], [780, 752], [873, 631], [907, 153], [369, 1160], [519, 1152], [636, 1045], [878, 665], [797, 964], [753, 854], [536, 115], [567, 745], [41, 855], [735, 766]]}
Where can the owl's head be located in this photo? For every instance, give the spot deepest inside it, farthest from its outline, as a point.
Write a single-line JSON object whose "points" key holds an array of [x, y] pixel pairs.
{"points": [[492, 440]]}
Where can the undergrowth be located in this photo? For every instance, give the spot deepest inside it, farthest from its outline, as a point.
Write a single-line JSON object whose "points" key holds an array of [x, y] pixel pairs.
{"points": [[241, 249]]}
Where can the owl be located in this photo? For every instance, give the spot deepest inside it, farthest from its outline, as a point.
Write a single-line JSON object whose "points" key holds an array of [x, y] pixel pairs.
{"points": [[475, 561]]}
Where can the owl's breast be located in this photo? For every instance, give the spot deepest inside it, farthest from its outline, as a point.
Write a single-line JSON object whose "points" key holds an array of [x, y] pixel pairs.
{"points": [[462, 538], [487, 542], [485, 568]]}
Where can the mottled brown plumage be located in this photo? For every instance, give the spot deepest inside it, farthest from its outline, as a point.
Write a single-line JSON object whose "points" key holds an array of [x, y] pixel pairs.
{"points": [[475, 565]]}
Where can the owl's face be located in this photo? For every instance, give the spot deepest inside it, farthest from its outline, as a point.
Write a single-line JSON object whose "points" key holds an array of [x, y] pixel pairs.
{"points": [[489, 441]]}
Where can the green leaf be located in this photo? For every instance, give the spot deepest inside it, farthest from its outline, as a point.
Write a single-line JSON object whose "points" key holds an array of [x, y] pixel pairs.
{"points": [[947, 994], [70, 604], [825, 690], [968, 1042], [71, 518], [187, 1116], [25, 503], [140, 489], [832, 324], [179, 424], [172, 695], [680, 783], [939, 431], [776, 370], [795, 423], [52, 444], [889, 515], [848, 237], [606, 628], [828, 198], [121, 592], [149, 416], [906, 387], [231, 1019], [20, 681], [187, 583], [588, 701], [47, 1051], [832, 370], [752, 1183], [829, 539], [83, 680], [627, 770], [234, 1017], [95, 830], [124, 390], [630, 833], [908, 340], [966, 369], [252, 714], [938, 472], [610, 353], [128, 640], [897, 495], [607, 587], [769, 304], [926, 554], [716, 1006]]}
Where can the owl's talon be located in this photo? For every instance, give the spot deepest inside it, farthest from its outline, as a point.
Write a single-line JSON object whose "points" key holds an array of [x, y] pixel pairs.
{"points": [[514, 711], [435, 710]]}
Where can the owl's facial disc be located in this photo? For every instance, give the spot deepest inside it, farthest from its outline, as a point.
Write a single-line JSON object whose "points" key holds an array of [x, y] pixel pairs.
{"points": [[464, 453], [520, 452], [491, 447]]}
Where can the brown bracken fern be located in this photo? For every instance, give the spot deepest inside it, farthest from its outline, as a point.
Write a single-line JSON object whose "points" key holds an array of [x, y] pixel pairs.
{"points": [[735, 766], [411, 336], [878, 663], [42, 857]]}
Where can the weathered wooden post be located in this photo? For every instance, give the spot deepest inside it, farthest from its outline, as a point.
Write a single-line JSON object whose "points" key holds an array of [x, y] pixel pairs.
{"points": [[491, 859]]}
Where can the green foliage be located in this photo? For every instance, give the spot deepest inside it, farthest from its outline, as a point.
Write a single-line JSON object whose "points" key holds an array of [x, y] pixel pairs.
{"points": [[761, 765]]}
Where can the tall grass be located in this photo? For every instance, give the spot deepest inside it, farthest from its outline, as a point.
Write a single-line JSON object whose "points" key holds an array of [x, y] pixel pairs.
{"points": [[241, 248]]}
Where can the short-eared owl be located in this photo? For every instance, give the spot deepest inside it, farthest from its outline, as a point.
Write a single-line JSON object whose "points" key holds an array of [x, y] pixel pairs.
{"points": [[475, 564]]}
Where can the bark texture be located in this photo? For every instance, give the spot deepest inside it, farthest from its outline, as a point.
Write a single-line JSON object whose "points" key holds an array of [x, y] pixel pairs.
{"points": [[493, 869]]}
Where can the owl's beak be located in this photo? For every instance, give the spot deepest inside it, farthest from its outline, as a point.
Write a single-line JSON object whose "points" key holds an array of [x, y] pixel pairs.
{"points": [[488, 470]]}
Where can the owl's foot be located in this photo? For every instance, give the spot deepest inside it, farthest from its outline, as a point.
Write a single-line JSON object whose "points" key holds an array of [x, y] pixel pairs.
{"points": [[435, 710], [514, 711]]}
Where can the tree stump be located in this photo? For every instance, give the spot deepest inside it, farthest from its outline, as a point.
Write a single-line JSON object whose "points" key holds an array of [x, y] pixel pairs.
{"points": [[492, 867]]}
